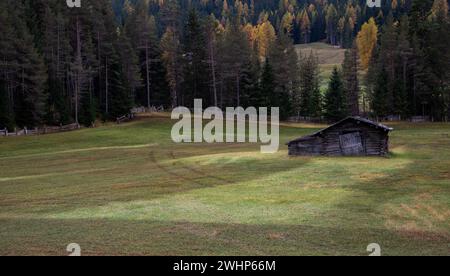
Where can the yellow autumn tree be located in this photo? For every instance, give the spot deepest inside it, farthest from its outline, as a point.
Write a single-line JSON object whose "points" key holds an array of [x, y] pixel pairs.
{"points": [[366, 41], [287, 22], [252, 34], [439, 9], [265, 36]]}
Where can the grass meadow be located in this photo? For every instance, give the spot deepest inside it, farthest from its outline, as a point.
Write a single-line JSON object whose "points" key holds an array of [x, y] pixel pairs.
{"points": [[129, 190], [328, 57]]}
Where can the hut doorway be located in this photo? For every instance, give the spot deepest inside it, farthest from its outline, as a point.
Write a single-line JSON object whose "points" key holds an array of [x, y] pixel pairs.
{"points": [[352, 143]]}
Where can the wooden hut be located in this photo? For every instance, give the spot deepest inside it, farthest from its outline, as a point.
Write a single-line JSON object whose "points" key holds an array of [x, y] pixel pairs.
{"points": [[353, 136]]}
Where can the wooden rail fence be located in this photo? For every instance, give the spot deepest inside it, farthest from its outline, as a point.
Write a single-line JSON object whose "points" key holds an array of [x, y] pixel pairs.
{"points": [[138, 110], [39, 131]]}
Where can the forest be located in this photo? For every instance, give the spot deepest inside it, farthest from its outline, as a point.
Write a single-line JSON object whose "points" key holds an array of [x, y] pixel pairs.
{"points": [[61, 65]]}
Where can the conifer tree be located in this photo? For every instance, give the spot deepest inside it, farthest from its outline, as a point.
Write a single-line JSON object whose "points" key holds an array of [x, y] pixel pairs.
{"points": [[380, 104], [350, 81], [335, 102], [195, 69], [309, 98], [30, 77]]}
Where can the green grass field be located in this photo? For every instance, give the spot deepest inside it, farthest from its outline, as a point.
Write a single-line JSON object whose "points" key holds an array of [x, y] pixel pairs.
{"points": [[128, 190], [328, 56]]}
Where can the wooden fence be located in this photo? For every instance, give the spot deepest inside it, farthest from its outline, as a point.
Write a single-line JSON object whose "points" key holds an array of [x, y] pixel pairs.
{"points": [[39, 131], [420, 119], [303, 119], [137, 110], [125, 118]]}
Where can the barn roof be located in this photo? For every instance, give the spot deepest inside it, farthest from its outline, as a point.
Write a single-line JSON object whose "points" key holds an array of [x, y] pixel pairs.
{"points": [[356, 119]]}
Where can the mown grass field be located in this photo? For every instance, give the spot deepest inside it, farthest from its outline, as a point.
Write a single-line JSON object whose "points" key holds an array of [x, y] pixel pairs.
{"points": [[328, 58], [128, 190]]}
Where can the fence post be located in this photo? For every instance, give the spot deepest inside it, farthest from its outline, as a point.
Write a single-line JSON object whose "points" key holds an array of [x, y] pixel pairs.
{"points": [[25, 131]]}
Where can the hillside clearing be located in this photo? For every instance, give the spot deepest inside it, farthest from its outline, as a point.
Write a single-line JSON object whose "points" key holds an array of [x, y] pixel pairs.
{"points": [[329, 57]]}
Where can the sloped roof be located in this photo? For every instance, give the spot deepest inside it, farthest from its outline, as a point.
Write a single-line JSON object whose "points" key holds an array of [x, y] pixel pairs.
{"points": [[358, 119]]}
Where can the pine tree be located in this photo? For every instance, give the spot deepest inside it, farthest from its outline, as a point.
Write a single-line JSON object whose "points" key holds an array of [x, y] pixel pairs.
{"points": [[130, 64], [88, 113], [308, 101], [195, 69], [121, 101], [267, 86], [30, 76], [380, 104], [405, 85], [335, 102], [57, 53], [171, 56], [235, 56], [437, 60], [350, 81], [142, 30], [284, 61], [211, 27], [6, 120], [250, 79], [7, 67], [388, 57]]}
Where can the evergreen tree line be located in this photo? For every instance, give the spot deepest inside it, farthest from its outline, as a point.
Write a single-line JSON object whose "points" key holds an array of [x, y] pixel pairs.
{"points": [[61, 65], [409, 72], [400, 68]]}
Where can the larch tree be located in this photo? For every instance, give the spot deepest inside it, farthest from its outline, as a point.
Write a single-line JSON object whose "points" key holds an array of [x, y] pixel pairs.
{"points": [[366, 42], [265, 36]]}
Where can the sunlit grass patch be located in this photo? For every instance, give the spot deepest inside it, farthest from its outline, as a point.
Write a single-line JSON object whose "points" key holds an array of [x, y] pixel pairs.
{"points": [[129, 189]]}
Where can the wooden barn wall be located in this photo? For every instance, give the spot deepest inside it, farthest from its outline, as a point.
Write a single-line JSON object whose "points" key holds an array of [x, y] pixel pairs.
{"points": [[312, 147], [375, 141]]}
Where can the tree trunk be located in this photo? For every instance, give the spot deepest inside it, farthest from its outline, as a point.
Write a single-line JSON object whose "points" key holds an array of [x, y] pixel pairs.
{"points": [[106, 87], [213, 70], [238, 90], [78, 71], [147, 68]]}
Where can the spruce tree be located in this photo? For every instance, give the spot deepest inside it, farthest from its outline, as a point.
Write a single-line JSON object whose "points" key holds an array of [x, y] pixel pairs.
{"points": [[6, 120], [195, 69], [121, 100], [267, 86], [30, 75], [350, 81], [335, 102], [309, 98], [380, 102]]}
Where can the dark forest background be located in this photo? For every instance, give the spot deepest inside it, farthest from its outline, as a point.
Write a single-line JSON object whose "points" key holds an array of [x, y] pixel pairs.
{"points": [[61, 65]]}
